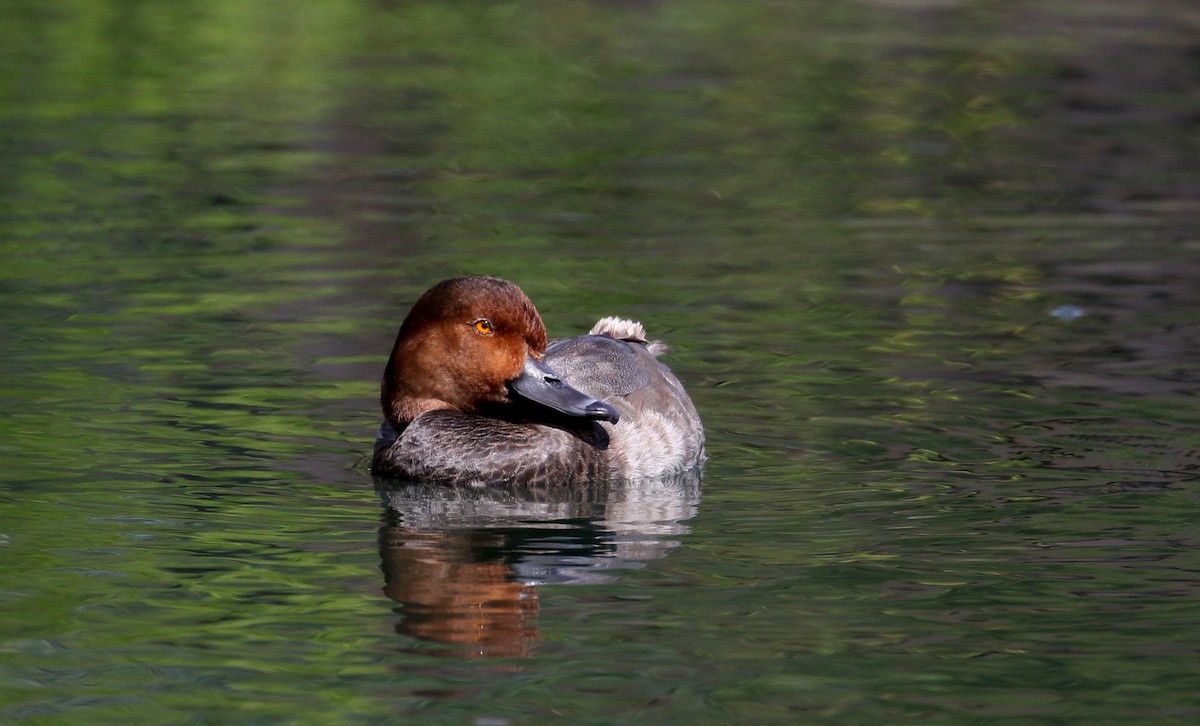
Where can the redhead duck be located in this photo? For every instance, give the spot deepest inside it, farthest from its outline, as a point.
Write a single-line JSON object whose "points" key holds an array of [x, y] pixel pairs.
{"points": [[472, 394]]}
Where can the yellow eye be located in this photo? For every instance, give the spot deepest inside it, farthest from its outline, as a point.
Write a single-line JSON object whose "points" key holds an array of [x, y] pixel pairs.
{"points": [[483, 326]]}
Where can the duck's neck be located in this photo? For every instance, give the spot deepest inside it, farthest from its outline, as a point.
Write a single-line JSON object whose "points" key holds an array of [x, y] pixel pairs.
{"points": [[401, 405], [401, 411]]}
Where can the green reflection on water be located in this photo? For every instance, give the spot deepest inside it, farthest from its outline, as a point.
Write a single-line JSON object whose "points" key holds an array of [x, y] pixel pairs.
{"points": [[927, 500]]}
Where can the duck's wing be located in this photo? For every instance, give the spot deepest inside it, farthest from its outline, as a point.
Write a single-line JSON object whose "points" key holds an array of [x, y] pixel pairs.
{"points": [[659, 431]]}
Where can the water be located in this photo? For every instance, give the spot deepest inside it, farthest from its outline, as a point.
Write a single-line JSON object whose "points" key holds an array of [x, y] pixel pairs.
{"points": [[932, 496]]}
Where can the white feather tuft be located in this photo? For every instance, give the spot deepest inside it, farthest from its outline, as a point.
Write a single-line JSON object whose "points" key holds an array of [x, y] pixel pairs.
{"points": [[630, 330], [620, 328]]}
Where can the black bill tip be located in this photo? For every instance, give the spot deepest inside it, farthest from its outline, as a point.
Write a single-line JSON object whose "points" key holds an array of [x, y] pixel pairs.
{"points": [[601, 411]]}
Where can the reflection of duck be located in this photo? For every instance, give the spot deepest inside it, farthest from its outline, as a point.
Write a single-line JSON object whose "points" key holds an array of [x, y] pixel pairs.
{"points": [[465, 562], [452, 596], [472, 394]]}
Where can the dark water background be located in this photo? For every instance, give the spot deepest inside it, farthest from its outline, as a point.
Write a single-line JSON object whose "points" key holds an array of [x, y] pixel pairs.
{"points": [[930, 269]]}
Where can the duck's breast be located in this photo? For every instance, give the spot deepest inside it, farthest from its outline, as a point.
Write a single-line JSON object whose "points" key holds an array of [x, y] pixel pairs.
{"points": [[460, 448]]}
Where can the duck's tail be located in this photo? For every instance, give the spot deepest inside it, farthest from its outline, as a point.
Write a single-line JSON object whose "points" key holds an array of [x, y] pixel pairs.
{"points": [[630, 330]]}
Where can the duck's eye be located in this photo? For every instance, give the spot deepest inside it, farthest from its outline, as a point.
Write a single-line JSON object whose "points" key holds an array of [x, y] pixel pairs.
{"points": [[483, 326]]}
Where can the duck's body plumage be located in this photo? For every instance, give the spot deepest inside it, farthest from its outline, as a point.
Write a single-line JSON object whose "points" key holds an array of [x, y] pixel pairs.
{"points": [[630, 417]]}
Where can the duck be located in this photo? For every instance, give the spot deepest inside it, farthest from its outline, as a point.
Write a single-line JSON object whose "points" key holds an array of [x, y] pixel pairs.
{"points": [[474, 394]]}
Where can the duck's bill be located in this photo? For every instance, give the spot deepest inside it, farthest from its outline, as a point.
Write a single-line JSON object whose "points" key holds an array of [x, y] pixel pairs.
{"points": [[539, 384]]}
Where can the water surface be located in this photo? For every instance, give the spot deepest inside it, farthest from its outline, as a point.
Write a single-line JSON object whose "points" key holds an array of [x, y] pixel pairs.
{"points": [[927, 268]]}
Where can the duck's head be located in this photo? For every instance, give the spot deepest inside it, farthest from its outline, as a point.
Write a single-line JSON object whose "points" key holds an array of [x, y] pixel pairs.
{"points": [[471, 343]]}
